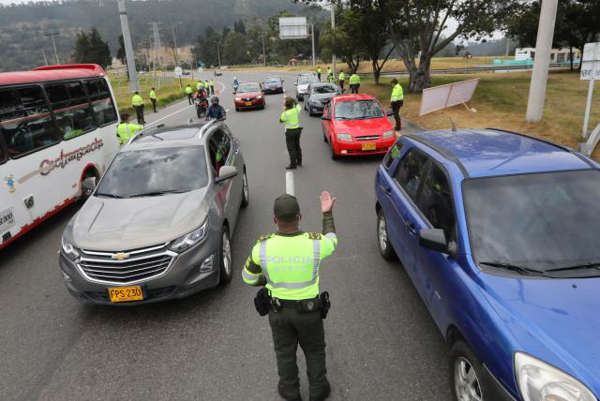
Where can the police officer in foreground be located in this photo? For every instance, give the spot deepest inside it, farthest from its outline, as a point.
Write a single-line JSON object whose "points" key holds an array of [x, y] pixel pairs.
{"points": [[354, 82], [291, 118], [397, 101], [287, 263], [127, 130]]}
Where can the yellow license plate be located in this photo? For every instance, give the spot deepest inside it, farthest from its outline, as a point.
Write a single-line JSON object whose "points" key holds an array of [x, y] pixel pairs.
{"points": [[248, 103], [125, 294], [369, 146]]}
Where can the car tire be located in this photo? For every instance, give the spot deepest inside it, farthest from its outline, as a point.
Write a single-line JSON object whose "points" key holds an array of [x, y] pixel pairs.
{"points": [[333, 155], [237, 109], [383, 239], [466, 374], [85, 195], [225, 258], [245, 190], [263, 106]]}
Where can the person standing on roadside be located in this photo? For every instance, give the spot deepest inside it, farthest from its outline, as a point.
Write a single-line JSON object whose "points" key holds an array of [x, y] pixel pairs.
{"points": [[397, 101], [189, 93], [291, 118], [341, 80], [319, 71], [287, 264], [153, 99], [330, 77], [354, 82], [138, 105], [211, 82]]}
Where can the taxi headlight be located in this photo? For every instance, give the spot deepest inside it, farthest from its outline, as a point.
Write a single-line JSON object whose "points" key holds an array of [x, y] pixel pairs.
{"points": [[187, 241], [388, 134], [538, 381], [259, 97], [68, 249], [344, 137], [238, 99]]}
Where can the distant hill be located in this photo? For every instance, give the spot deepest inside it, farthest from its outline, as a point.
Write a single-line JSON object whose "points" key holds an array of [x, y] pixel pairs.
{"points": [[22, 27]]}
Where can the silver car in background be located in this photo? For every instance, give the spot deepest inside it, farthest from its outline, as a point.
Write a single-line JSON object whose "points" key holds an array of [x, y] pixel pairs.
{"points": [[302, 82], [319, 95], [158, 224]]}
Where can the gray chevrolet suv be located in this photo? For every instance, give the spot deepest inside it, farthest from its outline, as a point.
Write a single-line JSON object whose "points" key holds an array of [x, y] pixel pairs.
{"points": [[158, 224]]}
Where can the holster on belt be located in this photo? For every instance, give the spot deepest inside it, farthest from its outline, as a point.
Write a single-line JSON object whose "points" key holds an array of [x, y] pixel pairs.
{"points": [[262, 302]]}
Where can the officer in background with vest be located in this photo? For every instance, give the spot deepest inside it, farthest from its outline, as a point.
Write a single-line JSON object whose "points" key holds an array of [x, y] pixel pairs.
{"points": [[291, 118], [153, 98], [211, 83], [127, 130], [138, 105], [200, 85], [397, 101], [354, 82], [341, 80], [319, 71], [287, 263], [189, 93]]}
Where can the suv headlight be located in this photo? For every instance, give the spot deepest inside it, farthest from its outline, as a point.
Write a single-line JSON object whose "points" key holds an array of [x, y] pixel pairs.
{"points": [[388, 134], [344, 137], [539, 381], [187, 241], [68, 249]]}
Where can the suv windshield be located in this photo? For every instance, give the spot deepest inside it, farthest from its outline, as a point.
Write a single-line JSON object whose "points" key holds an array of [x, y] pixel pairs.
{"points": [[323, 89], [358, 110], [248, 88], [543, 222], [307, 79], [153, 172]]}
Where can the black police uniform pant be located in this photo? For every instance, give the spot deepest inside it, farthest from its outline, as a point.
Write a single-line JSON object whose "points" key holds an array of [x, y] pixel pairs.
{"points": [[396, 110], [153, 104], [290, 328], [190, 99], [319, 76], [354, 88], [212, 90], [342, 85], [292, 140], [139, 113]]}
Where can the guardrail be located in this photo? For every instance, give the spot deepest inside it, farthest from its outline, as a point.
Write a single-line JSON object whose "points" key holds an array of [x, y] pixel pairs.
{"points": [[467, 70]]}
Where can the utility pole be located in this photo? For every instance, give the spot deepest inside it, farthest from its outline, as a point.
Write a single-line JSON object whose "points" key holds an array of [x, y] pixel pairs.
{"points": [[156, 44], [333, 31], [45, 58], [507, 46], [130, 56], [53, 36], [543, 47], [174, 33], [264, 54], [219, 54], [312, 32]]}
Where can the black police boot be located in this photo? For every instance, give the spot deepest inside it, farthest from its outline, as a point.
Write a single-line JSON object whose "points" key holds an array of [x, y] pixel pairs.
{"points": [[290, 167], [288, 397], [324, 393]]}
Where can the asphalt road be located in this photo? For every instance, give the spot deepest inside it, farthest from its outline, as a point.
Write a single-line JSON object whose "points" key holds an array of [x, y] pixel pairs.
{"points": [[381, 342]]}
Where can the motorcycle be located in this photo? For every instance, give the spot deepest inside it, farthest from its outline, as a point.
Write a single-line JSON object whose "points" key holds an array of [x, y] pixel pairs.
{"points": [[201, 106]]}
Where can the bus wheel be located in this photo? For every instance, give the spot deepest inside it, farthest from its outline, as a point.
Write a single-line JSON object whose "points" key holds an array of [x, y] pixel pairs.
{"points": [[86, 192]]}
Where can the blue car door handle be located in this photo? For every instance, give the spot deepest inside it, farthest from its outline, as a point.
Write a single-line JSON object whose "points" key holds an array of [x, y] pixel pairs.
{"points": [[411, 227]]}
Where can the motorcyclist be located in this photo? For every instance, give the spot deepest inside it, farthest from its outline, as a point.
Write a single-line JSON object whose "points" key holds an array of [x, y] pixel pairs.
{"points": [[215, 111], [201, 101]]}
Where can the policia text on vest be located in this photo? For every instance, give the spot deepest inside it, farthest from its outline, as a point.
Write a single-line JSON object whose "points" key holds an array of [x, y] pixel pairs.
{"points": [[288, 263]]}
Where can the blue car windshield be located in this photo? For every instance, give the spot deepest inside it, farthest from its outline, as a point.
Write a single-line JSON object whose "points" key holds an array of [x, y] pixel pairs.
{"points": [[153, 172], [545, 222]]}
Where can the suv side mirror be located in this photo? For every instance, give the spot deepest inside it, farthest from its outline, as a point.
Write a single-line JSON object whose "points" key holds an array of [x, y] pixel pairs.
{"points": [[226, 173], [434, 239]]}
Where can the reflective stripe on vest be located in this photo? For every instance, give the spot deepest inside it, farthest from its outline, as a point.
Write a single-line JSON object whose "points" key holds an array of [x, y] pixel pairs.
{"points": [[291, 285]]}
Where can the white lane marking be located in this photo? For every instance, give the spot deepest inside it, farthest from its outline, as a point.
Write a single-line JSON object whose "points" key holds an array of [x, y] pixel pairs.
{"points": [[169, 115], [289, 183]]}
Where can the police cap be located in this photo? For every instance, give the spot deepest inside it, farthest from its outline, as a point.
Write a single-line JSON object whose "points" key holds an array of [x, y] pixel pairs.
{"points": [[286, 207]]}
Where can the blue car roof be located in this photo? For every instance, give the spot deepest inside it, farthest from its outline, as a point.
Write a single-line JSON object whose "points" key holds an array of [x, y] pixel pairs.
{"points": [[489, 152]]}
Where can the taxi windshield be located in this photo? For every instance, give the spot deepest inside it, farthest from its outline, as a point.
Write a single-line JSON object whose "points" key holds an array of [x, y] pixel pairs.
{"points": [[358, 110], [247, 88]]}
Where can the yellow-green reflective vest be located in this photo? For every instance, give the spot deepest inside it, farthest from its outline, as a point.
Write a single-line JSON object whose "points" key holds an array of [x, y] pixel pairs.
{"points": [[188, 90], [291, 117], [200, 85], [125, 131], [152, 95], [342, 76], [397, 93], [291, 264], [137, 100], [211, 82], [354, 79], [319, 70]]}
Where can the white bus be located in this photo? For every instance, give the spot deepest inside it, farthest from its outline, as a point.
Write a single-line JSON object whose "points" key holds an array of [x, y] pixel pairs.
{"points": [[57, 128]]}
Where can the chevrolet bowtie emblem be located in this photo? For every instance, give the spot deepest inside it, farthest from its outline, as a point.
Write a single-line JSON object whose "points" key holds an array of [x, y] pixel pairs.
{"points": [[120, 256]]}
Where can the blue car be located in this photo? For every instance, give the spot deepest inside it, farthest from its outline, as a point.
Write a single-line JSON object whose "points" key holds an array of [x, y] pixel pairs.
{"points": [[500, 235]]}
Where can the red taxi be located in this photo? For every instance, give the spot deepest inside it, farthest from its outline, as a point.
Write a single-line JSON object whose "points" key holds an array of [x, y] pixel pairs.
{"points": [[356, 125], [249, 95]]}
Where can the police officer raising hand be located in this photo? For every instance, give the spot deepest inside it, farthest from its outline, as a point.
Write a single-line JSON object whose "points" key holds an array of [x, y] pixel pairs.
{"points": [[288, 264]]}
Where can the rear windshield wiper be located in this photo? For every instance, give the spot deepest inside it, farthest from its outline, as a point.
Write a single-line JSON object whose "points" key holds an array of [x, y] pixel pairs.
{"points": [[526, 271], [109, 195], [158, 193]]}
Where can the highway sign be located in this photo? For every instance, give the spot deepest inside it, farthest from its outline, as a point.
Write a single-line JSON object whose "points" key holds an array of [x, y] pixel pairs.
{"points": [[590, 63], [293, 28]]}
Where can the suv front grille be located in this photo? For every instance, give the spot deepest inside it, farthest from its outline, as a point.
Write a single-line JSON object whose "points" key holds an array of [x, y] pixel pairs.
{"points": [[125, 267]]}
